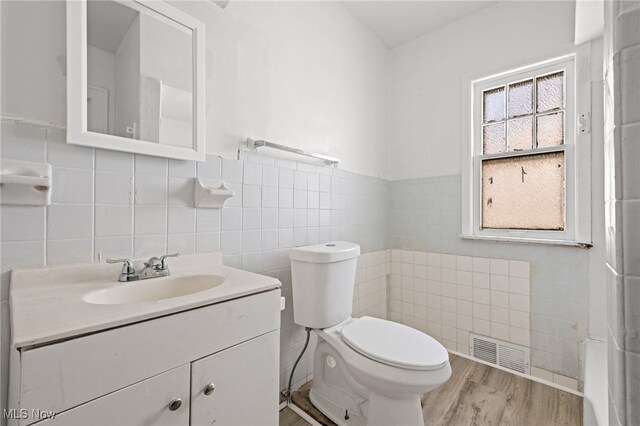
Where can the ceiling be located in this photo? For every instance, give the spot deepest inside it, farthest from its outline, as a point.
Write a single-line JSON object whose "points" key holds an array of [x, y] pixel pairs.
{"points": [[107, 24], [397, 22], [394, 22]]}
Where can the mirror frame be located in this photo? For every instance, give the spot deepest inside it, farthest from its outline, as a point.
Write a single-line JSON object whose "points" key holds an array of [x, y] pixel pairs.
{"points": [[77, 133]]}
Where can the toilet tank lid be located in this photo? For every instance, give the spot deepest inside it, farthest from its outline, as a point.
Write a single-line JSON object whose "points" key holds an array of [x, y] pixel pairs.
{"points": [[334, 251]]}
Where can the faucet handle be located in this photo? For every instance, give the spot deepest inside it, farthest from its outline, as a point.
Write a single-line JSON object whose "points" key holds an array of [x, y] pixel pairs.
{"points": [[163, 262], [127, 267], [153, 262]]}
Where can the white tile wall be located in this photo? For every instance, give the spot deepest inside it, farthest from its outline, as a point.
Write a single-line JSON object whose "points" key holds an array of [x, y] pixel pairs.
{"points": [[117, 204], [449, 296], [622, 201], [558, 379], [111, 204], [370, 294]]}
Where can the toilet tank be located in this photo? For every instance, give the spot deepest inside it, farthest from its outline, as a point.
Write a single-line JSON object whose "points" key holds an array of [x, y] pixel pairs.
{"points": [[323, 277]]}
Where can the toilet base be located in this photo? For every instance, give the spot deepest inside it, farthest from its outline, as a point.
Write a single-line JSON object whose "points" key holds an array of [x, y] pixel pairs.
{"points": [[336, 393], [335, 413], [385, 411]]}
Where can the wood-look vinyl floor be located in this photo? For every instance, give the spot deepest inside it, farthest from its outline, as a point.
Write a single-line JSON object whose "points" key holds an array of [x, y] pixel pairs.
{"points": [[477, 394], [290, 418]]}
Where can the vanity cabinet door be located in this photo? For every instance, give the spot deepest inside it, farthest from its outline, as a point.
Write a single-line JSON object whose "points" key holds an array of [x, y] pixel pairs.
{"points": [[238, 386], [150, 402]]}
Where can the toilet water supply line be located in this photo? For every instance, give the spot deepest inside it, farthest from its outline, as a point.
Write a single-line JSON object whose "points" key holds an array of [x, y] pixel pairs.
{"points": [[286, 393]]}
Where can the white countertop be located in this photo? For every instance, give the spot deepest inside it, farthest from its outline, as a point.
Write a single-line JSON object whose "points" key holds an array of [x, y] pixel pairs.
{"points": [[47, 305]]}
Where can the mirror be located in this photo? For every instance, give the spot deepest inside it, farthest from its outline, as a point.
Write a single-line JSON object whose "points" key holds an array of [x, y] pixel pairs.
{"points": [[135, 78]]}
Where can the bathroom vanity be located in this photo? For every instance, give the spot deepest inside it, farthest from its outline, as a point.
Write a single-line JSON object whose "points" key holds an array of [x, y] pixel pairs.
{"points": [[207, 353]]}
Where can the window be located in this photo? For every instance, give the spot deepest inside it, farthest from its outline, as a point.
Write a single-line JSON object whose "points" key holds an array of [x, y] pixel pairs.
{"points": [[524, 180]]}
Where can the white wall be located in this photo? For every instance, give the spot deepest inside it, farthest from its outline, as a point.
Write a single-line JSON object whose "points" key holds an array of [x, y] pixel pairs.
{"points": [[597, 254], [34, 69], [128, 80], [424, 154], [305, 74], [102, 70], [425, 130], [166, 70], [165, 52]]}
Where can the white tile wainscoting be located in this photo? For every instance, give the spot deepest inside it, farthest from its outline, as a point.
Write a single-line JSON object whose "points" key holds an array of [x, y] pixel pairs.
{"points": [[370, 294], [112, 204], [449, 296], [107, 204]]}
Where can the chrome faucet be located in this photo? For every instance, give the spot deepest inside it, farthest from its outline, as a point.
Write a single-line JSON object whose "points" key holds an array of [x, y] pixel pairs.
{"points": [[153, 268]]}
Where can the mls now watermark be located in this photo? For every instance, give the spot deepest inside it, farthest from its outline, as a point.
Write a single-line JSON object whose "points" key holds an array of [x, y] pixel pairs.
{"points": [[24, 414]]}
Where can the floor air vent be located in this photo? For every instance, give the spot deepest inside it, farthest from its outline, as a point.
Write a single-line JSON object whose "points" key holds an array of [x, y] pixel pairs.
{"points": [[498, 352]]}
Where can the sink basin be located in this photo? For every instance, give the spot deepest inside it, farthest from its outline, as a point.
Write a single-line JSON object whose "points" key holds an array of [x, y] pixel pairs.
{"points": [[153, 290]]}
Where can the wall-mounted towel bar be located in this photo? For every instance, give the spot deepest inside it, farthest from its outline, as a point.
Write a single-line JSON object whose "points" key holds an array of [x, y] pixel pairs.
{"points": [[251, 144]]}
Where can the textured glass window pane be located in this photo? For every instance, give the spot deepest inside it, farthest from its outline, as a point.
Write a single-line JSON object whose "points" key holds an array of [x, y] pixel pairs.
{"points": [[521, 98], [493, 138], [550, 92], [524, 192], [520, 134], [493, 104], [550, 129]]}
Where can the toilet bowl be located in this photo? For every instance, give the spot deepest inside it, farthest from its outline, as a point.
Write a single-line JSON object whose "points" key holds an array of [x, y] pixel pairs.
{"points": [[372, 371], [367, 371]]}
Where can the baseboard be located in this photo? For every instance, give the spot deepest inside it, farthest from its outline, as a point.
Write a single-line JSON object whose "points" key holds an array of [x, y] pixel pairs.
{"points": [[299, 411], [515, 373]]}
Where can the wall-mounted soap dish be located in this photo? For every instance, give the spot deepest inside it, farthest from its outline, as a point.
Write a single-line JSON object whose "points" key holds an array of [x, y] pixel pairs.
{"points": [[24, 183], [210, 194]]}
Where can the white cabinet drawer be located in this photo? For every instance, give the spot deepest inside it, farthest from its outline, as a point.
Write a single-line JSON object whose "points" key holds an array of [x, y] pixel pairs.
{"points": [[64, 375], [145, 403], [245, 379]]}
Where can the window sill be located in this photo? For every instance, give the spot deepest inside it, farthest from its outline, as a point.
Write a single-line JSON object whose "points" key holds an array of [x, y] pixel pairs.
{"points": [[520, 240]]}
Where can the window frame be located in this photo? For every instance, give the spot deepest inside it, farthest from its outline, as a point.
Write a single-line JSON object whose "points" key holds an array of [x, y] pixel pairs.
{"points": [[576, 148]]}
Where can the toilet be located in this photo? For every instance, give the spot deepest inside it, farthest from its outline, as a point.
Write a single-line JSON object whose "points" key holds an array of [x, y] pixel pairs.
{"points": [[367, 371]]}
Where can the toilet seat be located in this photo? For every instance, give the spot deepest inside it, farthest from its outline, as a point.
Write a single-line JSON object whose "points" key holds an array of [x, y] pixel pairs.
{"points": [[394, 344]]}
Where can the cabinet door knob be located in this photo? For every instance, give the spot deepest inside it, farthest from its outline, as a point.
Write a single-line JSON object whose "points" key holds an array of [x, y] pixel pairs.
{"points": [[175, 404], [208, 390]]}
